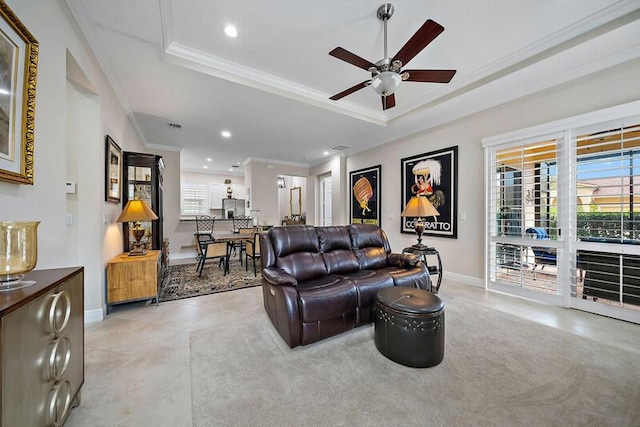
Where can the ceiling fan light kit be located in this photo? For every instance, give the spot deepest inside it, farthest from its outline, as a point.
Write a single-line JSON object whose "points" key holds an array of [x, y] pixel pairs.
{"points": [[386, 83], [387, 74]]}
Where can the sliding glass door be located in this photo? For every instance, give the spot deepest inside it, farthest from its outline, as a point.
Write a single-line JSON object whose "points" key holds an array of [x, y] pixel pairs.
{"points": [[563, 212]]}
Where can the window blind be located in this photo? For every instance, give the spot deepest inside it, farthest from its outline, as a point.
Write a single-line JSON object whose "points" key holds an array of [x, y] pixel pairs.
{"points": [[194, 199], [523, 193]]}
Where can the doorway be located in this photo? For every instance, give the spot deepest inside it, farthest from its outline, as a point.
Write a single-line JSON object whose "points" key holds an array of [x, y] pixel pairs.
{"points": [[325, 200]]}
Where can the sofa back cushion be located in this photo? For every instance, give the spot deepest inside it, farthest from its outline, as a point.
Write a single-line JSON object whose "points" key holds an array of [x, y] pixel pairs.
{"points": [[297, 251], [335, 247], [370, 245]]}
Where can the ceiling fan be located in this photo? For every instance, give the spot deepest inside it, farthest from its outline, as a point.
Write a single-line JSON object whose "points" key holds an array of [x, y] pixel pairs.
{"points": [[387, 74]]}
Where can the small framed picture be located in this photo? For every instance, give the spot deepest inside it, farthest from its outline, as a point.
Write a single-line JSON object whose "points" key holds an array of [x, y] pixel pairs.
{"points": [[113, 171]]}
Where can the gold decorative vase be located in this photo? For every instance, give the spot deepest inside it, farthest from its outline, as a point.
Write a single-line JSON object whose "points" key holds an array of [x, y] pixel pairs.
{"points": [[18, 252]]}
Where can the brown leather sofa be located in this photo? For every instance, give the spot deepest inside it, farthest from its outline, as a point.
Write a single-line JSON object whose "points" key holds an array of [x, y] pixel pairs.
{"points": [[321, 281]]}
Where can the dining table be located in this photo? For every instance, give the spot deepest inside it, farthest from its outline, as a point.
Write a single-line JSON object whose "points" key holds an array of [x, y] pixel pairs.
{"points": [[227, 236]]}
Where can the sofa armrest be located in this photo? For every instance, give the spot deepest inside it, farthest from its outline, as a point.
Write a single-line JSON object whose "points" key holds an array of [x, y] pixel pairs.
{"points": [[403, 260], [277, 276]]}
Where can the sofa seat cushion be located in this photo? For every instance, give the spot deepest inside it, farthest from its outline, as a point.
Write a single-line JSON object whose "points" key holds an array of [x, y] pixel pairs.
{"points": [[367, 283], [326, 298]]}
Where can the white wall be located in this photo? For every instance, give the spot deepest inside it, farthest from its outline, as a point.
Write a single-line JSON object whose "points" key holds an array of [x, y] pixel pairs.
{"points": [[57, 131], [463, 257]]}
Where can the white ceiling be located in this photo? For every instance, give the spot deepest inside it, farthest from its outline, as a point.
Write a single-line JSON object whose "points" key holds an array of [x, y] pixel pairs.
{"points": [[170, 61]]}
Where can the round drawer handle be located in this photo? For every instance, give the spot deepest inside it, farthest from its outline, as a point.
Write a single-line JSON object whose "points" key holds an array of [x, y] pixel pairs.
{"points": [[57, 416], [56, 358], [55, 329]]}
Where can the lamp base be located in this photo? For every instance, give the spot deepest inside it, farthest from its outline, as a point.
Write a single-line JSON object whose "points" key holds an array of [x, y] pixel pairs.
{"points": [[137, 252]]}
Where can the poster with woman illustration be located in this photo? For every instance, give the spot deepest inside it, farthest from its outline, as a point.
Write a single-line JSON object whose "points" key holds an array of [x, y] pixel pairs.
{"points": [[365, 195], [433, 176]]}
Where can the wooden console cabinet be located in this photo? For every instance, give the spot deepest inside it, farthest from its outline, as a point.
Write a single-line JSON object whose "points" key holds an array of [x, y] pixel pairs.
{"points": [[133, 278], [42, 348]]}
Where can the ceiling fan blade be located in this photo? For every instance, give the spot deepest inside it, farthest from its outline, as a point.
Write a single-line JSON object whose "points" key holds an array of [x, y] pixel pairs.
{"points": [[425, 35], [388, 101], [430, 76], [349, 91], [351, 58]]}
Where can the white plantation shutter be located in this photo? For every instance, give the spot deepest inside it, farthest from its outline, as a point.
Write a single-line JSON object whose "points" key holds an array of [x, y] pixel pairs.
{"points": [[523, 192], [608, 179], [608, 215], [194, 199]]}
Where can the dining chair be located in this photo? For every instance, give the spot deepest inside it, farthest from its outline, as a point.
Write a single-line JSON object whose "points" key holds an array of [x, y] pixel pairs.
{"points": [[241, 221], [214, 250], [242, 244], [204, 236], [252, 250]]}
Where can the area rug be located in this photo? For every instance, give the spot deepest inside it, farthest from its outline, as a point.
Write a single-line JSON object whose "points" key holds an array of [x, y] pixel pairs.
{"points": [[498, 370], [182, 281]]}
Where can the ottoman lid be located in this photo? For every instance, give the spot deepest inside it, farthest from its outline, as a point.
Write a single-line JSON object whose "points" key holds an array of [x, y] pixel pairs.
{"points": [[409, 300]]}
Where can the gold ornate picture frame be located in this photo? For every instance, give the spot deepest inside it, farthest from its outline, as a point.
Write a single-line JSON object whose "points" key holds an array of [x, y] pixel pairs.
{"points": [[18, 70]]}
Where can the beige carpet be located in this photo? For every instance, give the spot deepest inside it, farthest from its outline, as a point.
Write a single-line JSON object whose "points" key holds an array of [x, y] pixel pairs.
{"points": [[498, 370]]}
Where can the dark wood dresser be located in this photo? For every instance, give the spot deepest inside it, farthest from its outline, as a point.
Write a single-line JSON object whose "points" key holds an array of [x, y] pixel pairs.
{"points": [[42, 348]]}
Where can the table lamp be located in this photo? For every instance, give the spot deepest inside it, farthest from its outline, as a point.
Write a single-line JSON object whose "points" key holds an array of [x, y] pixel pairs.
{"points": [[135, 211], [419, 206]]}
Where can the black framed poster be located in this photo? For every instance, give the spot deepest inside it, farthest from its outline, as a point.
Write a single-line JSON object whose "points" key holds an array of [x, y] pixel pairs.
{"points": [[432, 175], [365, 195]]}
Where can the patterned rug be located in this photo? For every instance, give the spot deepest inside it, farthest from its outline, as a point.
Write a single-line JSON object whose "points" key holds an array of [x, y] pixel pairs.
{"points": [[182, 281]]}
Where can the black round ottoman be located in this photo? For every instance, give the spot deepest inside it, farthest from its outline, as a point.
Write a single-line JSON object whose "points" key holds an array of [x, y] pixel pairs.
{"points": [[409, 326]]}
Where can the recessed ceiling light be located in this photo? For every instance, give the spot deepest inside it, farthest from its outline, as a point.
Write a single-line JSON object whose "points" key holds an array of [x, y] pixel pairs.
{"points": [[209, 159], [206, 167], [230, 31], [225, 134], [230, 169], [326, 153]]}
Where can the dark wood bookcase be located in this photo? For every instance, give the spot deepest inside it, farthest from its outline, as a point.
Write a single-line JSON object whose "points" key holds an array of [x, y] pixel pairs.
{"points": [[142, 178]]}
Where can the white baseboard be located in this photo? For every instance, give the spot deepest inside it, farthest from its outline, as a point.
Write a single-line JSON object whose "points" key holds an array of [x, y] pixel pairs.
{"points": [[179, 256], [466, 280], [93, 316]]}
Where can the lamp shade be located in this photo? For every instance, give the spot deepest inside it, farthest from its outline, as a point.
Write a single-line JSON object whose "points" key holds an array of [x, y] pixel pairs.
{"points": [[419, 206], [137, 210]]}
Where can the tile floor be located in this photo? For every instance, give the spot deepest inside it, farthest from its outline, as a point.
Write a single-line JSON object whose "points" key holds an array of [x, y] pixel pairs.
{"points": [[137, 365]]}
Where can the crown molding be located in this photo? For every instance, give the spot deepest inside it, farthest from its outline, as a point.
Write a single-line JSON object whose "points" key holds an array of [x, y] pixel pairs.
{"points": [[528, 55], [173, 148], [274, 161], [203, 62]]}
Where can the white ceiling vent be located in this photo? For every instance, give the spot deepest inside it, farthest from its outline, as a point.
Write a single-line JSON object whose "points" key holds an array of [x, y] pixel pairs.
{"points": [[340, 147]]}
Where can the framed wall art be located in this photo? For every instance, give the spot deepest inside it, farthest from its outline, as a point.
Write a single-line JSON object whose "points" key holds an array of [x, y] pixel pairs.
{"points": [[113, 171], [18, 69], [366, 195], [434, 176]]}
